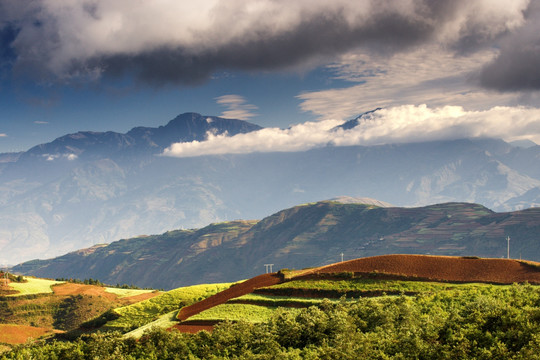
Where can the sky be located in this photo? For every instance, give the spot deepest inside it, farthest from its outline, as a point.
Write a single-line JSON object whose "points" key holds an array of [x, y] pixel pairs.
{"points": [[437, 69]]}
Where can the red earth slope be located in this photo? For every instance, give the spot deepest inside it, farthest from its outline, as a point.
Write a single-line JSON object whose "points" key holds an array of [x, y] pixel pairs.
{"points": [[441, 268]]}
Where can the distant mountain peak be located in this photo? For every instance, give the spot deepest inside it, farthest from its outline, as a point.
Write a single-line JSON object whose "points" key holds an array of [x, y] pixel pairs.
{"points": [[185, 127], [354, 122]]}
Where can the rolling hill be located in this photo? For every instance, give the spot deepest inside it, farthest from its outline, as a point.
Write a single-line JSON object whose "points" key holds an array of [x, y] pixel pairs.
{"points": [[303, 236]]}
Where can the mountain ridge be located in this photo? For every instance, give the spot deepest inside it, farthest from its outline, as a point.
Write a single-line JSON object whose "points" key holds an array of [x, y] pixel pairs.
{"points": [[302, 236], [92, 187]]}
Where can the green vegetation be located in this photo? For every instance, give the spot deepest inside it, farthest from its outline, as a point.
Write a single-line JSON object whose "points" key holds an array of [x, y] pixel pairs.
{"points": [[270, 300], [367, 284], [236, 312], [144, 312], [33, 286], [464, 322], [122, 292], [77, 309], [162, 322]]}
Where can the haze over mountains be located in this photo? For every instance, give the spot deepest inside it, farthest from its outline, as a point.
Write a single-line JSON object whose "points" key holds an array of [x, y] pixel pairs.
{"points": [[299, 237], [91, 187]]}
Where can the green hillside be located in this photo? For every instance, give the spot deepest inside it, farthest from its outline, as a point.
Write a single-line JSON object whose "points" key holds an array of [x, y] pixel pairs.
{"points": [[372, 318], [303, 236]]}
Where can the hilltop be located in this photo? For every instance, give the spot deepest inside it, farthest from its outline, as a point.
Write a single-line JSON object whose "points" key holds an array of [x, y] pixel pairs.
{"points": [[308, 235]]}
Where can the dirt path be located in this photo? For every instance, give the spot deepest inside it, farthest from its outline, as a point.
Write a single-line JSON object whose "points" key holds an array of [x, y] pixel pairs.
{"points": [[234, 291]]}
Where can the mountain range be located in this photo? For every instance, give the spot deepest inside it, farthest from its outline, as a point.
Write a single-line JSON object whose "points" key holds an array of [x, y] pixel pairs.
{"points": [[302, 236], [91, 188]]}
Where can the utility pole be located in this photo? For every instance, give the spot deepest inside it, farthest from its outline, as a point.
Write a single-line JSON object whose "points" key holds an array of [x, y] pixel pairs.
{"points": [[508, 247]]}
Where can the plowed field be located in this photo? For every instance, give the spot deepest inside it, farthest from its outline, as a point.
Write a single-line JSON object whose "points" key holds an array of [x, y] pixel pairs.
{"points": [[441, 268], [19, 334], [82, 289]]}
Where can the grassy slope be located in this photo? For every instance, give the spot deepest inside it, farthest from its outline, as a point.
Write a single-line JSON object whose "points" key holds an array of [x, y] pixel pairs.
{"points": [[259, 307], [163, 322], [147, 311], [33, 286], [237, 312], [126, 292]]}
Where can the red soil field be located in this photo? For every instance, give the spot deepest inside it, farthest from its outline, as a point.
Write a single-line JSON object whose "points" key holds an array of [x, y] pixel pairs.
{"points": [[193, 327], [441, 268], [82, 289], [19, 334]]}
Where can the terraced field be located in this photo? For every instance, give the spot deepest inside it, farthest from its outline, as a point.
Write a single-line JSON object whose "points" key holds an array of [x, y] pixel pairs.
{"points": [[144, 312], [259, 298]]}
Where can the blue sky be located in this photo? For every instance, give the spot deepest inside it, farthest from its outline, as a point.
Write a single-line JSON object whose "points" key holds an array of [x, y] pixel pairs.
{"points": [[445, 69]]}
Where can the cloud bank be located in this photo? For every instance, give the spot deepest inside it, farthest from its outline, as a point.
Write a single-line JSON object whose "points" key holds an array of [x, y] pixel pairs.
{"points": [[180, 42], [401, 124]]}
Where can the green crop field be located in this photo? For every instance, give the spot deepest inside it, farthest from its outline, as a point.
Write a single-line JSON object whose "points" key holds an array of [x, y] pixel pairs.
{"points": [[126, 292], [33, 286], [144, 312], [364, 284], [270, 300], [237, 312]]}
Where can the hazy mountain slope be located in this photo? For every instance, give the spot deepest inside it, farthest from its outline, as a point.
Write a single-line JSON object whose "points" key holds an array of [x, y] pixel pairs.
{"points": [[298, 237], [88, 188]]}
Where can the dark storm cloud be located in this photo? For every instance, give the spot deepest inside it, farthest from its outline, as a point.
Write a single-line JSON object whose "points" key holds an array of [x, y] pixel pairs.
{"points": [[518, 65], [321, 36], [172, 42]]}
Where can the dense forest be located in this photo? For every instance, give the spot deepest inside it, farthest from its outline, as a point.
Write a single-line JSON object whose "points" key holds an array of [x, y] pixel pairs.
{"points": [[484, 322]]}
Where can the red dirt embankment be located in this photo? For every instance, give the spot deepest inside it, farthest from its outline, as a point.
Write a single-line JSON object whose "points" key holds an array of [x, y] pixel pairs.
{"points": [[441, 268], [234, 291], [66, 289], [19, 334]]}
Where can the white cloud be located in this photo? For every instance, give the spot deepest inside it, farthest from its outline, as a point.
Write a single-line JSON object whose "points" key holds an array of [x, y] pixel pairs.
{"points": [[400, 124], [237, 107], [296, 138], [3, 135], [39, 122], [429, 75], [52, 157]]}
